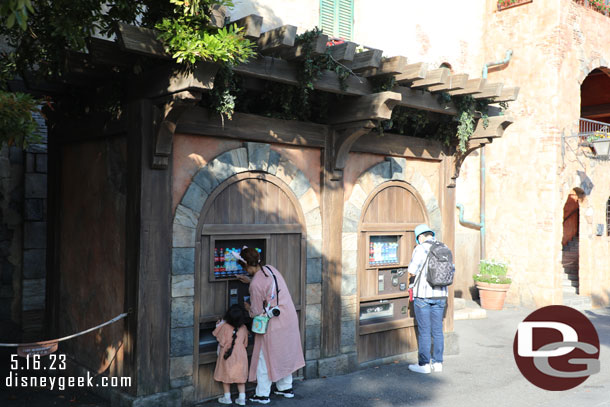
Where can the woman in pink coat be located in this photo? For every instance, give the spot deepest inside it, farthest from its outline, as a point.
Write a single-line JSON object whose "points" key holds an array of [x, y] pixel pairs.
{"points": [[277, 353]]}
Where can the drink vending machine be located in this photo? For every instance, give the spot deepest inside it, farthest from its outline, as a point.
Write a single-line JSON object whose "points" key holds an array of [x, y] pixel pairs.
{"points": [[224, 270]]}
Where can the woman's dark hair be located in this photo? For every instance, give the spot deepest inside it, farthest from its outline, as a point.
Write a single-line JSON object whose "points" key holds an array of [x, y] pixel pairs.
{"points": [[236, 316], [251, 257]]}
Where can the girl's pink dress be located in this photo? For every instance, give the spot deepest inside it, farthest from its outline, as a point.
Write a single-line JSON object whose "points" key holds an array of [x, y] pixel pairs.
{"points": [[234, 369]]}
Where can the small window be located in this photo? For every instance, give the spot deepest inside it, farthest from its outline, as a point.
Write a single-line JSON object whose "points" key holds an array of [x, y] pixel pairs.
{"points": [[446, 65], [608, 217], [337, 18]]}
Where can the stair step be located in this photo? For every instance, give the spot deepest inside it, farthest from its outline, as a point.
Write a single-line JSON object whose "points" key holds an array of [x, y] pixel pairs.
{"points": [[569, 283], [568, 276], [570, 290], [570, 270]]}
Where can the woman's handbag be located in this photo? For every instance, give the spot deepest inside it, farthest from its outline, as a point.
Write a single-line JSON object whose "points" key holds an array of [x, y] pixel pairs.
{"points": [[259, 324]]}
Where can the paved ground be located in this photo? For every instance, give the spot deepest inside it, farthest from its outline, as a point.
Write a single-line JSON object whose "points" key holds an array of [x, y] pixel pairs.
{"points": [[483, 374]]}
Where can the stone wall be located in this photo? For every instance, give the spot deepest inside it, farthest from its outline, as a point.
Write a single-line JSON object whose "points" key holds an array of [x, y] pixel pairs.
{"points": [[11, 241], [23, 219]]}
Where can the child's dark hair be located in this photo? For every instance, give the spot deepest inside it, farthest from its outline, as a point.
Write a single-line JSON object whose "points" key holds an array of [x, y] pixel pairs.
{"points": [[251, 257], [235, 316]]}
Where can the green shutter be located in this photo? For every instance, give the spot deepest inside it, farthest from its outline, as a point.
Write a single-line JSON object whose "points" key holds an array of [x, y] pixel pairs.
{"points": [[336, 18], [346, 18]]}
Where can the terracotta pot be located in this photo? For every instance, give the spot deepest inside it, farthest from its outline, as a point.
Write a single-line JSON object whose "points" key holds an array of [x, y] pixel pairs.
{"points": [[492, 295]]}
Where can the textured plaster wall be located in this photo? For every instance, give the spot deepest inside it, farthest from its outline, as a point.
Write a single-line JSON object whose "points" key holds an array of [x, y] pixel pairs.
{"points": [[556, 44], [584, 48], [190, 153]]}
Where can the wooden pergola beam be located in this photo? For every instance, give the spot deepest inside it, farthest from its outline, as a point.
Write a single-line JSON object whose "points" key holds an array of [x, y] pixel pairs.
{"points": [[473, 86], [171, 79], [389, 66], [494, 129], [366, 60], [418, 99], [508, 95], [141, 40], [251, 26], [276, 39], [490, 90], [298, 52], [458, 81], [412, 72], [435, 77], [343, 52], [376, 106]]}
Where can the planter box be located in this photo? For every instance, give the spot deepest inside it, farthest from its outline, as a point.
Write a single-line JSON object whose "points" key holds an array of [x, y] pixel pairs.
{"points": [[492, 295], [601, 147], [506, 5]]}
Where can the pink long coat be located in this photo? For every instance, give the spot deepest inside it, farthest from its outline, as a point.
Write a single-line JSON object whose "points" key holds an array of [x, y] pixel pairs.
{"points": [[281, 343]]}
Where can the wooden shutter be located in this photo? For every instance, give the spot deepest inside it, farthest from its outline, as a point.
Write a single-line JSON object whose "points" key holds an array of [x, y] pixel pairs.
{"points": [[345, 15], [336, 18]]}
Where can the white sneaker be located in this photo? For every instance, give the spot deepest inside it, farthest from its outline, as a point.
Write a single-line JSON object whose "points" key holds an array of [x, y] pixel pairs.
{"points": [[437, 367], [240, 402], [224, 400], [420, 369]]}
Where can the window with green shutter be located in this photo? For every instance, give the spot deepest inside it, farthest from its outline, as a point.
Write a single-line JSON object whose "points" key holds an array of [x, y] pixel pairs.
{"points": [[337, 18]]}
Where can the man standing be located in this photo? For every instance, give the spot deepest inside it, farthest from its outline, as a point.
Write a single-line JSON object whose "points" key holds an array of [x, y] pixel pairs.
{"points": [[429, 306]]}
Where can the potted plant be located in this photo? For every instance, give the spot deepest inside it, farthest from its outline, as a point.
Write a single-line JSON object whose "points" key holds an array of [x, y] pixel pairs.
{"points": [[600, 141], [492, 283]]}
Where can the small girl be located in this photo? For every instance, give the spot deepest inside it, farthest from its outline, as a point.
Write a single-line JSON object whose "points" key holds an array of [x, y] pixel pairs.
{"points": [[232, 364]]}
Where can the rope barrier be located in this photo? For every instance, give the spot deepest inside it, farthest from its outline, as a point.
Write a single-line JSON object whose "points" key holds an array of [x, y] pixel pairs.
{"points": [[113, 320]]}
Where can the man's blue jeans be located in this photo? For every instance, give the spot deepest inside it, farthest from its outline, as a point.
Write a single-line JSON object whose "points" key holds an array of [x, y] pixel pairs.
{"points": [[429, 317]]}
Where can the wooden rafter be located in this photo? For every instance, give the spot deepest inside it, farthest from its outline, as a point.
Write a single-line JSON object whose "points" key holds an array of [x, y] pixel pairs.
{"points": [[251, 26], [277, 39], [376, 106], [343, 52]]}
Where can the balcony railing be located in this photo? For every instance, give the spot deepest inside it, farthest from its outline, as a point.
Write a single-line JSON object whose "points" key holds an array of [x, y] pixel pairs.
{"points": [[601, 6], [588, 127], [504, 4]]}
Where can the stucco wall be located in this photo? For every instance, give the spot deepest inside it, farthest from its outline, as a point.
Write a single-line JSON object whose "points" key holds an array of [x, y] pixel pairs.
{"points": [[190, 153], [556, 44]]}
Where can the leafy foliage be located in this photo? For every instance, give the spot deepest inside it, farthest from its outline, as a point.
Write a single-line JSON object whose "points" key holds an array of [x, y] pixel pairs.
{"points": [[188, 36], [17, 126], [492, 271]]}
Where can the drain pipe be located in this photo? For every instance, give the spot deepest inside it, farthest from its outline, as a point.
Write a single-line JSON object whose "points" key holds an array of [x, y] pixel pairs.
{"points": [[472, 225], [509, 55]]}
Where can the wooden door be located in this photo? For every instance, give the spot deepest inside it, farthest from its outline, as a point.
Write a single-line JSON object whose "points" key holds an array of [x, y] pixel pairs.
{"points": [[390, 214], [250, 207]]}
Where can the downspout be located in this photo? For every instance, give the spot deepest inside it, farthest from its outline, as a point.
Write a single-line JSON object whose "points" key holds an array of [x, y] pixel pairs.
{"points": [[509, 55], [481, 226]]}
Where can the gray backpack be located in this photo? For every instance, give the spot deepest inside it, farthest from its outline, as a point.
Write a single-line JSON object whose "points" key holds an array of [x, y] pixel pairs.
{"points": [[440, 265]]}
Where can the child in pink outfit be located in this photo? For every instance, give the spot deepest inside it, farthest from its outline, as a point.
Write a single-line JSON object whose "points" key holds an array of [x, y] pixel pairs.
{"points": [[232, 364]]}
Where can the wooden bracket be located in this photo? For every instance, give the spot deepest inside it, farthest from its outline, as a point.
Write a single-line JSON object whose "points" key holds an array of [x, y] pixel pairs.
{"points": [[483, 134], [343, 138], [172, 107]]}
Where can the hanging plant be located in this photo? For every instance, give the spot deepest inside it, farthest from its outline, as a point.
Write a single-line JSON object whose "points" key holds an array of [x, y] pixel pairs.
{"points": [[188, 36]]}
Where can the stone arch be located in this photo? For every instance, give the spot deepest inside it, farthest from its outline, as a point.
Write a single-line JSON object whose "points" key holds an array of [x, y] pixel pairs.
{"points": [[393, 169], [593, 64], [252, 157]]}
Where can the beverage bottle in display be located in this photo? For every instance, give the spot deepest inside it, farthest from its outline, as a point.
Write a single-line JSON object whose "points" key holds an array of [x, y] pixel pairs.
{"points": [[215, 260], [227, 261], [371, 253], [221, 255]]}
